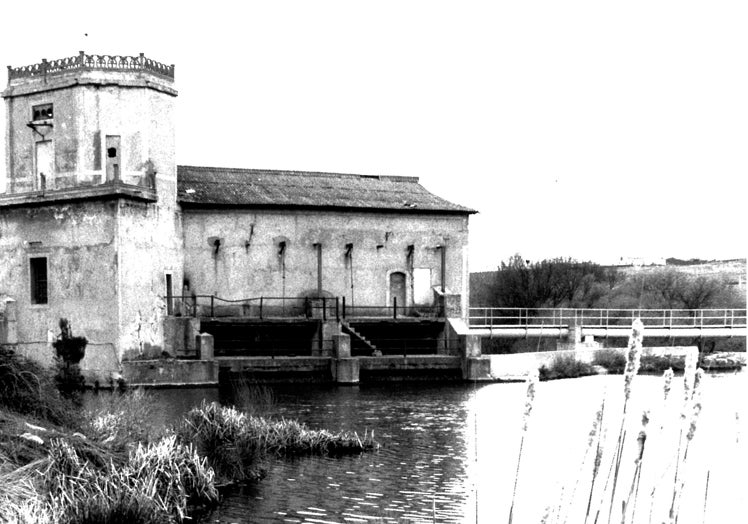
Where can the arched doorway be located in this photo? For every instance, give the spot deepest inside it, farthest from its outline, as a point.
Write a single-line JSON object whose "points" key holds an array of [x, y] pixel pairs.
{"points": [[397, 289]]}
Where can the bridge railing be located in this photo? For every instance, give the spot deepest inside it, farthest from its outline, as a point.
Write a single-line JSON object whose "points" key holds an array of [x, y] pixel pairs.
{"points": [[483, 317]]}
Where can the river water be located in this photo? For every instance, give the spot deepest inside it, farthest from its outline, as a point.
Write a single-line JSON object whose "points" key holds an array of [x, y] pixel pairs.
{"points": [[449, 453]]}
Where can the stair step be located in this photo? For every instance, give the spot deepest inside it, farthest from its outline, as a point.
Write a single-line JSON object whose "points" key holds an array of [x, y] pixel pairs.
{"points": [[352, 331]]}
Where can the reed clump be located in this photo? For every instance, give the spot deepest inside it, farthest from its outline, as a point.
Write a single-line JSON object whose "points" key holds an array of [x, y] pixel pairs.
{"points": [[233, 442], [157, 483]]}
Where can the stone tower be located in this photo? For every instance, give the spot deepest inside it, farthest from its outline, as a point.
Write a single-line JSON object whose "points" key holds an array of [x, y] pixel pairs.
{"points": [[89, 228]]}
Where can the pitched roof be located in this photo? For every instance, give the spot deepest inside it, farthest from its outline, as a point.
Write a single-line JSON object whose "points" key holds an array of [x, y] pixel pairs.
{"points": [[229, 187]]}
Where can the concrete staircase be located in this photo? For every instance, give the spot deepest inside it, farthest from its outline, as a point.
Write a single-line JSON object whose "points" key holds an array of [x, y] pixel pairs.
{"points": [[348, 329]]}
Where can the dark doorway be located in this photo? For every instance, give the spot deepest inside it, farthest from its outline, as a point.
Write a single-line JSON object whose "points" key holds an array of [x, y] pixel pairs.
{"points": [[169, 296], [397, 289]]}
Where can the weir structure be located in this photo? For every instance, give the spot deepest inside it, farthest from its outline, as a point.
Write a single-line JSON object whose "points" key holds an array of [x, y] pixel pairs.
{"points": [[321, 340]]}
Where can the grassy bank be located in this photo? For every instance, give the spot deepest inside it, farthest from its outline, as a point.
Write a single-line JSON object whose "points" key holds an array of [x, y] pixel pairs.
{"points": [[59, 463]]}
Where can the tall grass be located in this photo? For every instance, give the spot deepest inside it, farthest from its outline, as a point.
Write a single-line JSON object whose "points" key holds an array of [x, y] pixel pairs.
{"points": [[251, 397], [156, 484], [122, 418]]}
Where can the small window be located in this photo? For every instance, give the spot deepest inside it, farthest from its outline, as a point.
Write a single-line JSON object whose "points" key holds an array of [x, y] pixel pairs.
{"points": [[38, 270], [41, 112], [113, 156]]}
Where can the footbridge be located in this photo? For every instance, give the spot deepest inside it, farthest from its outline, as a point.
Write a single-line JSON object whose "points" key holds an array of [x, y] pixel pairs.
{"points": [[559, 322]]}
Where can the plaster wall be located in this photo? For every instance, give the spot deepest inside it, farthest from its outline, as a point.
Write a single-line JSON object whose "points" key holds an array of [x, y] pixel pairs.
{"points": [[247, 261], [149, 249], [79, 242]]}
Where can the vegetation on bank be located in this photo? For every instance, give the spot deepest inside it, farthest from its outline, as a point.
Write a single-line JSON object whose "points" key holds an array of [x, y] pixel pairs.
{"points": [[613, 361], [569, 283], [565, 282], [59, 463]]}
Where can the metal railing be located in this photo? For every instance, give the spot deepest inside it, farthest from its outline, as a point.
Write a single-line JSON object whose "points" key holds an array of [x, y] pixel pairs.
{"points": [[325, 308], [485, 317], [83, 61]]}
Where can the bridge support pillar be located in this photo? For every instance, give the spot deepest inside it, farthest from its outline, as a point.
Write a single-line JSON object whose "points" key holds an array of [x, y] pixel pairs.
{"points": [[345, 371], [473, 346], [341, 345], [476, 368], [323, 342], [205, 345]]}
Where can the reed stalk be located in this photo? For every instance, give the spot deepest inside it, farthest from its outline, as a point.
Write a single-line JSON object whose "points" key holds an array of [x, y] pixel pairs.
{"points": [[595, 435], [690, 383], [532, 380], [633, 361], [634, 490], [706, 495]]}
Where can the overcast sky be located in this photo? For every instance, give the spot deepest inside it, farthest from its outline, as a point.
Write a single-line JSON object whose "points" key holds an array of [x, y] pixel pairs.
{"points": [[595, 130]]}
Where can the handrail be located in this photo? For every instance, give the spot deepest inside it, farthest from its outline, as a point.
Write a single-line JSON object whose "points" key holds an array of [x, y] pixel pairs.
{"points": [[294, 307], [605, 317]]}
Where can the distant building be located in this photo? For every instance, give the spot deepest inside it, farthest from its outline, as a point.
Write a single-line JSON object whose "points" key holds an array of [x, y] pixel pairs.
{"points": [[100, 226]]}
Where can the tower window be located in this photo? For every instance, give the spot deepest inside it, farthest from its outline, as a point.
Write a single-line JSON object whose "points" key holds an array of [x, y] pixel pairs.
{"points": [[38, 272], [113, 157], [41, 112]]}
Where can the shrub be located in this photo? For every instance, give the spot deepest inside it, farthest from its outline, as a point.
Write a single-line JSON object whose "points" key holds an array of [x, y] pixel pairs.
{"points": [[660, 363], [29, 389], [69, 351], [612, 360], [566, 366]]}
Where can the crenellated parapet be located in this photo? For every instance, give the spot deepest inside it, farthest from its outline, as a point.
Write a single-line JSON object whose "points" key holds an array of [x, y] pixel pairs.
{"points": [[87, 62]]}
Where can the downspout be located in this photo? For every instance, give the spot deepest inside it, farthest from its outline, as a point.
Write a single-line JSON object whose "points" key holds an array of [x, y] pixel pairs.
{"points": [[410, 264], [349, 256], [10, 176], [443, 249], [282, 255], [318, 246]]}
